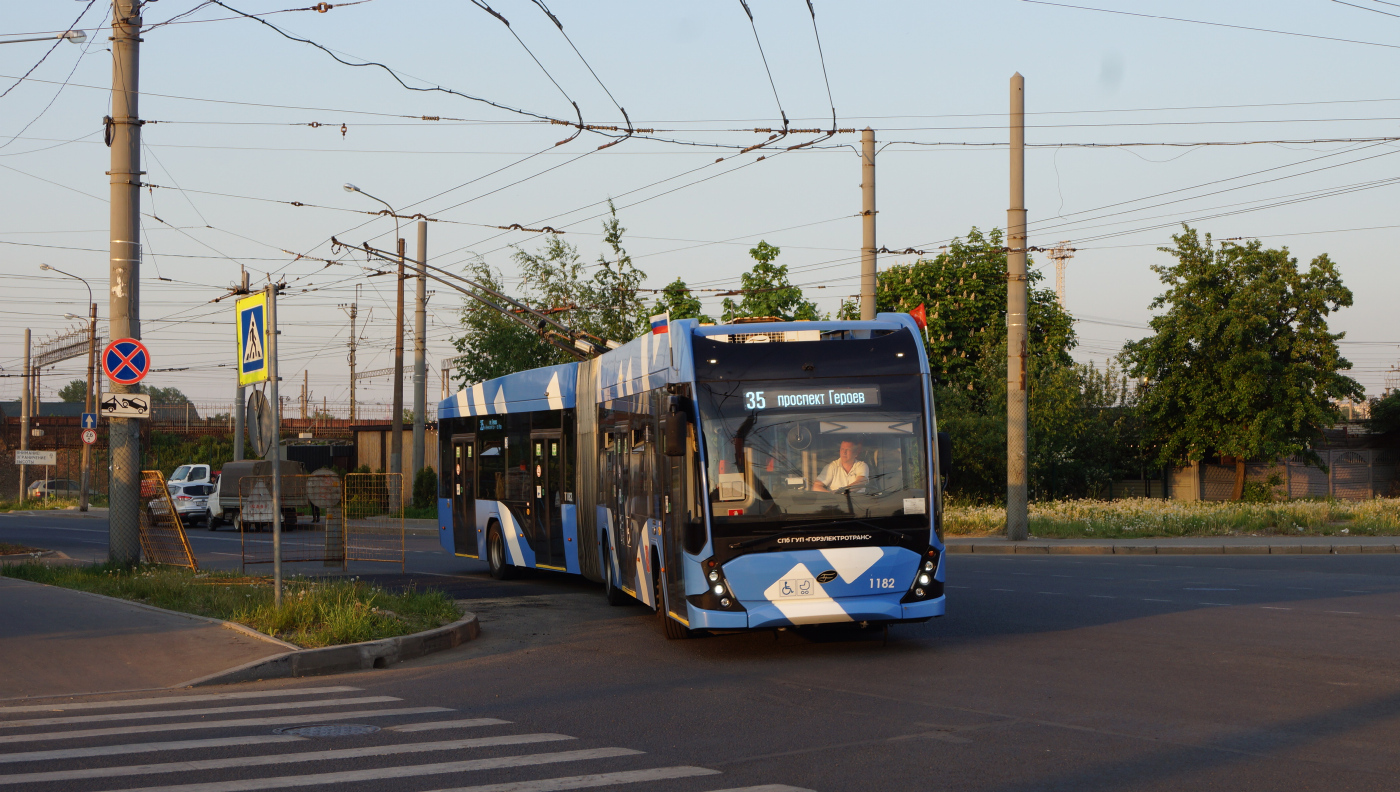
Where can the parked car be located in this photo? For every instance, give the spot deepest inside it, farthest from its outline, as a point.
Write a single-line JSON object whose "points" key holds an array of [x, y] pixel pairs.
{"points": [[191, 501], [55, 488], [190, 474], [224, 505]]}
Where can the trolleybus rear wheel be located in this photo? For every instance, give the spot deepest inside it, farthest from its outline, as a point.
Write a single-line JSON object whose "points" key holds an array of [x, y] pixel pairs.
{"points": [[496, 553], [615, 595]]}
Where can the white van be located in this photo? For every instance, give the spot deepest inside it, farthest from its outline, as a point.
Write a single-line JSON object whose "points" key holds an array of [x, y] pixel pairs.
{"points": [[190, 474]]}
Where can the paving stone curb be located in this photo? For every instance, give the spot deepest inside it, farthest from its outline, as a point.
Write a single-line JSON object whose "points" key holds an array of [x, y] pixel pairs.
{"points": [[347, 657], [1110, 549]]}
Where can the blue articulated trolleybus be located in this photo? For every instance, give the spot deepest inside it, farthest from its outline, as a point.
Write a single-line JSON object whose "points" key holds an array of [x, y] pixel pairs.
{"points": [[733, 477]]}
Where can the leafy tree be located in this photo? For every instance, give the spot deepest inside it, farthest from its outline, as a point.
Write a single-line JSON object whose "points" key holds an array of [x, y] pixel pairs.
{"points": [[767, 291], [1241, 363], [963, 291], [495, 345], [425, 486], [677, 301], [74, 392], [616, 310], [164, 395], [1385, 413]]}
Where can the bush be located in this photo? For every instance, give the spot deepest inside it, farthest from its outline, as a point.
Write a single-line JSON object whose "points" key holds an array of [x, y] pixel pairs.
{"points": [[425, 486]]}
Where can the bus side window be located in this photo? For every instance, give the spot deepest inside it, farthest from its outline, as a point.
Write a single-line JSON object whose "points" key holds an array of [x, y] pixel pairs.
{"points": [[694, 509]]}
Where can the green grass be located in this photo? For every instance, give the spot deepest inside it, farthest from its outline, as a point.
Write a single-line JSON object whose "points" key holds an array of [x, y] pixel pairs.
{"points": [[314, 612], [1153, 517], [55, 504]]}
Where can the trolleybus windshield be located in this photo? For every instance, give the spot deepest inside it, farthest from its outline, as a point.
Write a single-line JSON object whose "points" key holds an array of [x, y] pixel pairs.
{"points": [[816, 452]]}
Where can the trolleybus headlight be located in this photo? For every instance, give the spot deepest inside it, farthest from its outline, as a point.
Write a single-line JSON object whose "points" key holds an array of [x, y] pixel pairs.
{"points": [[719, 589], [928, 566], [924, 586], [716, 595], [923, 581], [724, 602], [714, 575], [918, 592]]}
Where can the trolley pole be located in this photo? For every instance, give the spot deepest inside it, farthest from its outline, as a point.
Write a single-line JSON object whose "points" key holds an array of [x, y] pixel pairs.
{"points": [[867, 212], [123, 434], [420, 351], [396, 442], [89, 405], [274, 453], [1016, 407], [24, 417]]}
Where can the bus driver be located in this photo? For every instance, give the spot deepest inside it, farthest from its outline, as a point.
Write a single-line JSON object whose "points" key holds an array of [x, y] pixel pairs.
{"points": [[845, 471]]}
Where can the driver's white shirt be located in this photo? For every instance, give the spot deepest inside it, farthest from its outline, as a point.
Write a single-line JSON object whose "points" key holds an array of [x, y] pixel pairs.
{"points": [[836, 477]]}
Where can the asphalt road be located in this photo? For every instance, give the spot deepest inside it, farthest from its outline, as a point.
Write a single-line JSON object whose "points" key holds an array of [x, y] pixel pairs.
{"points": [[1049, 673]]}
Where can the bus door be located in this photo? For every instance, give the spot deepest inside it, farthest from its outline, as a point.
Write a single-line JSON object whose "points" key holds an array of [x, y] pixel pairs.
{"points": [[464, 495], [548, 540]]}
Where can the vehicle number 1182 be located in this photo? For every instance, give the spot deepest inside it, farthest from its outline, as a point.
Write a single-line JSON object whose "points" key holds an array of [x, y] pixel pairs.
{"points": [[882, 583]]}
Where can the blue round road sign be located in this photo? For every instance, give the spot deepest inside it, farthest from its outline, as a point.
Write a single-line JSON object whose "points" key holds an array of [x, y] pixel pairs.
{"points": [[126, 361]]}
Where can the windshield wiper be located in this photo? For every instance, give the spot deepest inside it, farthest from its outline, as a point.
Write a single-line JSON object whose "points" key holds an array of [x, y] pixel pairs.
{"points": [[797, 529]]}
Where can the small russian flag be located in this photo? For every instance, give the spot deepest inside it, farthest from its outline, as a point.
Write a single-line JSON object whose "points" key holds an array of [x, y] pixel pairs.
{"points": [[661, 323]]}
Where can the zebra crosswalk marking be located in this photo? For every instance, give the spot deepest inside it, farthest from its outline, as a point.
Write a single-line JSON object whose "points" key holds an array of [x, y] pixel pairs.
{"points": [[182, 713], [457, 724], [147, 702], [280, 720], [586, 781], [381, 773], [276, 759], [133, 748]]}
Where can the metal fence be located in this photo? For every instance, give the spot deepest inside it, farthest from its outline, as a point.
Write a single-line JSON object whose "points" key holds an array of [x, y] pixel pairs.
{"points": [[163, 539], [373, 516], [311, 520]]}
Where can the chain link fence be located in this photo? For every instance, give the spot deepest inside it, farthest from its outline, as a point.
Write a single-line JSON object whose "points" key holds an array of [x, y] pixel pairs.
{"points": [[311, 520], [374, 518], [163, 539]]}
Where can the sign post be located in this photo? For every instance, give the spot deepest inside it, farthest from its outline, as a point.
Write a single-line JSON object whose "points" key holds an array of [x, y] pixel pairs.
{"points": [[257, 362]]}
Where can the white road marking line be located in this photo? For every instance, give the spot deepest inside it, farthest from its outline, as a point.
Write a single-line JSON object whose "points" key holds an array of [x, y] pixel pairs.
{"points": [[1356, 591], [767, 788], [177, 713], [1349, 613], [455, 724], [1054, 593], [1297, 588], [382, 773], [146, 702], [1102, 596], [1148, 599], [1221, 604], [147, 728], [1209, 589], [947, 585], [275, 759], [1011, 590], [600, 779], [113, 750], [1271, 607]]}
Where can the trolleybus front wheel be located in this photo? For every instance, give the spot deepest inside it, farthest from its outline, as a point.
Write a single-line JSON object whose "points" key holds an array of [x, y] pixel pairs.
{"points": [[496, 553], [672, 629], [615, 595]]}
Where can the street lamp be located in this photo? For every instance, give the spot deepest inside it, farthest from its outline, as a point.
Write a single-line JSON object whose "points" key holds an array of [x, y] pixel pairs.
{"points": [[396, 446], [92, 362], [75, 36]]}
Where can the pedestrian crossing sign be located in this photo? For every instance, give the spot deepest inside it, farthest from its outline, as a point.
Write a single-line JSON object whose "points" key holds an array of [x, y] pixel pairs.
{"points": [[252, 339]]}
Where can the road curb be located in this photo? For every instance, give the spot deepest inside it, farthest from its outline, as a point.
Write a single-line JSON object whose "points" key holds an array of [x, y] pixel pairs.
{"points": [[347, 657], [1110, 549]]}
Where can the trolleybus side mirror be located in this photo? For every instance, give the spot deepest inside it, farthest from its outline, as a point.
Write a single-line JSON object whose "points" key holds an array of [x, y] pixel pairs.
{"points": [[674, 429], [945, 453]]}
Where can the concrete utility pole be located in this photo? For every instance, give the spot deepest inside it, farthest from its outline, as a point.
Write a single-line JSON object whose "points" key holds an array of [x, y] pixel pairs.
{"points": [[305, 391], [396, 443], [1016, 444], [420, 350], [89, 405], [867, 211], [124, 131], [1060, 254], [24, 417], [240, 399]]}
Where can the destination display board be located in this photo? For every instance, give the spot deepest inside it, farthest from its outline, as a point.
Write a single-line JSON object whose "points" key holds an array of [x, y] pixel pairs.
{"points": [[826, 398]]}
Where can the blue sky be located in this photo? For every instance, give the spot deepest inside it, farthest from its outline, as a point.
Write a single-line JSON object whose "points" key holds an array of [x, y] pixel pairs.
{"points": [[234, 103]]}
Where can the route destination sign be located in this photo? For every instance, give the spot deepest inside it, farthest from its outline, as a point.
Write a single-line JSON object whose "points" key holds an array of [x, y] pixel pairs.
{"points": [[811, 397]]}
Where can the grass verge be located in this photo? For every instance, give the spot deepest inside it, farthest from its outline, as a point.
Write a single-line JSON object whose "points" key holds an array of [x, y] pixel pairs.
{"points": [[49, 504], [13, 549], [1152, 517], [314, 612]]}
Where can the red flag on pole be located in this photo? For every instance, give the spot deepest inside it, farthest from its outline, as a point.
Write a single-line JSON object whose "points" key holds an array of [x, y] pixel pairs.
{"points": [[920, 316]]}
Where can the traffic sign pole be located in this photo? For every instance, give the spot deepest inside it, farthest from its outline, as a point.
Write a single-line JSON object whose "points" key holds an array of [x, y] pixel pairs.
{"points": [[275, 451]]}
